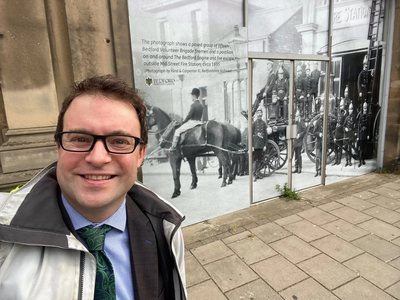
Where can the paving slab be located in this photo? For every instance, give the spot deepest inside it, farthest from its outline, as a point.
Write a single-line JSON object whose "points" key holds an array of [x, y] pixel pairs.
{"points": [[205, 291], [230, 273], [378, 247], [194, 271], [381, 229], [356, 203], [392, 185], [387, 202], [237, 237], [252, 250], [294, 249], [350, 215], [327, 271], [288, 220], [395, 263], [270, 232], [360, 289], [306, 230], [317, 216], [345, 230], [384, 191], [383, 214], [394, 290], [337, 248], [211, 252], [374, 270], [278, 272], [257, 289], [308, 289], [364, 195], [330, 206]]}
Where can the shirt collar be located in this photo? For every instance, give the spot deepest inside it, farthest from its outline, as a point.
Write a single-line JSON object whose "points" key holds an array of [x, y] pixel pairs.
{"points": [[116, 220]]}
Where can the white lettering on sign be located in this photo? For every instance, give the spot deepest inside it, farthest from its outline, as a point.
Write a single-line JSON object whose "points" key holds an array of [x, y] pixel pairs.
{"points": [[350, 14]]}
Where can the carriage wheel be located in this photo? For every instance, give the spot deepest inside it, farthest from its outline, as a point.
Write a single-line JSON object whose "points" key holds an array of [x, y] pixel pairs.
{"points": [[283, 153], [271, 159], [310, 140]]}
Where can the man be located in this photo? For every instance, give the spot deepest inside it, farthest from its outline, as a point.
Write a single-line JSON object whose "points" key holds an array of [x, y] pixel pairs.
{"points": [[318, 133], [307, 92], [266, 92], [363, 80], [282, 89], [192, 119], [298, 142], [346, 97], [339, 133], [282, 69], [260, 141], [48, 226], [299, 89], [349, 125], [315, 75], [363, 134]]}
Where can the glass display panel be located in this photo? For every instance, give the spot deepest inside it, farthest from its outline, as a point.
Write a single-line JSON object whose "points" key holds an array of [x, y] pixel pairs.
{"points": [[270, 113], [288, 26], [190, 67]]}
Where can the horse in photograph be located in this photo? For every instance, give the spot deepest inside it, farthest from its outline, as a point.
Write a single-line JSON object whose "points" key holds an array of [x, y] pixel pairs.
{"points": [[157, 117], [208, 137], [236, 150]]}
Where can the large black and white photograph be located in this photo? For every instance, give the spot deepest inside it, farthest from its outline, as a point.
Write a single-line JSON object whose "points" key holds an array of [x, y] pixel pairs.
{"points": [[211, 134], [191, 69], [353, 105]]}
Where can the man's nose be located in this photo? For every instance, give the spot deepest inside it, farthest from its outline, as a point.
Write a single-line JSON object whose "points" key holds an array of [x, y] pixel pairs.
{"points": [[99, 154]]}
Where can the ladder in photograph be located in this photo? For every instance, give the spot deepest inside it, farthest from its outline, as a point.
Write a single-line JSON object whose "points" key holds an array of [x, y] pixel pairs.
{"points": [[375, 20]]}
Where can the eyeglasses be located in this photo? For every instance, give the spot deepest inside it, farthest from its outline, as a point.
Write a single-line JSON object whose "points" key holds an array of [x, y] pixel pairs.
{"points": [[84, 142]]}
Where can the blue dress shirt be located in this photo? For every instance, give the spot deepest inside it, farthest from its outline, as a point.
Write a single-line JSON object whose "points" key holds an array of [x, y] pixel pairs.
{"points": [[116, 246]]}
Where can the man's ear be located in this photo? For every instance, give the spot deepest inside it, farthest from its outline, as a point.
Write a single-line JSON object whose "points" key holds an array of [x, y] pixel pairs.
{"points": [[142, 152]]}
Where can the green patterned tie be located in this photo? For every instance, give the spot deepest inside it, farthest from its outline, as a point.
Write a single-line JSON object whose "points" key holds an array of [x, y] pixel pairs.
{"points": [[105, 279]]}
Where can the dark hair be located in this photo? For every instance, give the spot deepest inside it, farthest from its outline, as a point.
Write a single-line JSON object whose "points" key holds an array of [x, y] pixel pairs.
{"points": [[111, 87]]}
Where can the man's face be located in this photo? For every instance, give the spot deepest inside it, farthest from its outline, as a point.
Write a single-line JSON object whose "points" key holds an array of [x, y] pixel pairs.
{"points": [[350, 111], [308, 72], [259, 114], [95, 183], [280, 75]]}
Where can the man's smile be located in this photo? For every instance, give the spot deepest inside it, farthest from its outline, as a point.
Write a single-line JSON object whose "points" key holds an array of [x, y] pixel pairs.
{"points": [[98, 177]]}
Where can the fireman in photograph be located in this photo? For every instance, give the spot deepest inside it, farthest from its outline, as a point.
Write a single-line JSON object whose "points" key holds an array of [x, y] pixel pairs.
{"points": [[349, 126], [315, 75], [266, 92], [339, 133], [298, 142], [282, 90], [318, 133], [307, 94], [299, 89], [346, 98], [363, 81], [282, 68], [363, 134], [260, 142], [192, 119]]}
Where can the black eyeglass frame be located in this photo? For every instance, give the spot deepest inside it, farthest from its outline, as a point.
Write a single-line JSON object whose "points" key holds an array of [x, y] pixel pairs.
{"points": [[99, 137]]}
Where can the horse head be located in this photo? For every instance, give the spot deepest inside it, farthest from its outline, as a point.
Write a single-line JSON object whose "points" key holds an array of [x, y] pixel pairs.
{"points": [[151, 120]]}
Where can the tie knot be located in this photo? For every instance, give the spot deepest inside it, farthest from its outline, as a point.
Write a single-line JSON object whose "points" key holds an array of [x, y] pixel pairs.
{"points": [[94, 237]]}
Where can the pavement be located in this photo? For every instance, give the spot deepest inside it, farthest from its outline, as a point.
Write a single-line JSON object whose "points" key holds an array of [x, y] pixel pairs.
{"points": [[340, 241]]}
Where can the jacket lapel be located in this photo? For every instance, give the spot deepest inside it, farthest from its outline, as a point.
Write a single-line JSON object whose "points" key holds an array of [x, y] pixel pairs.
{"points": [[144, 255]]}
